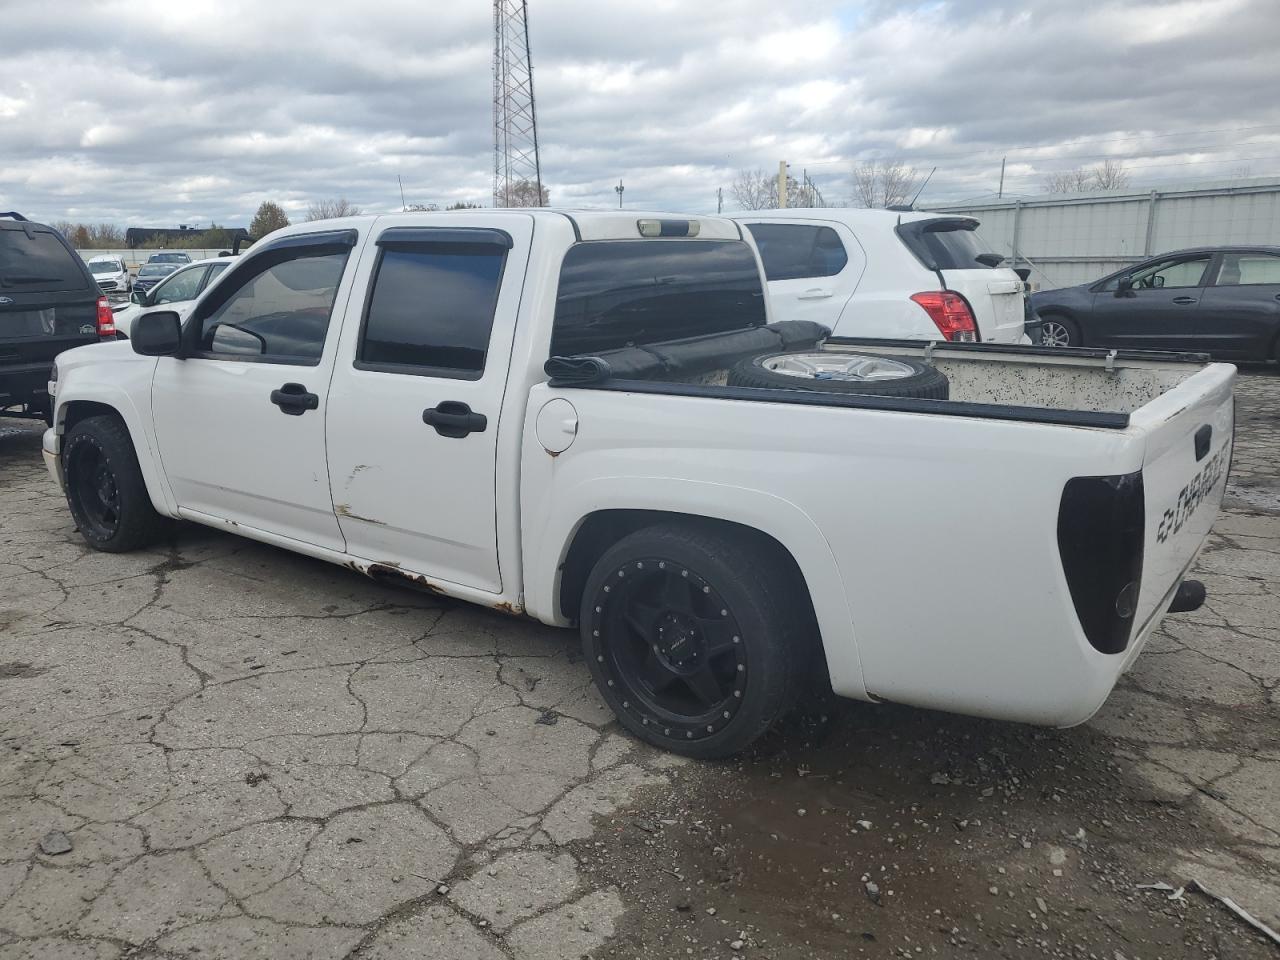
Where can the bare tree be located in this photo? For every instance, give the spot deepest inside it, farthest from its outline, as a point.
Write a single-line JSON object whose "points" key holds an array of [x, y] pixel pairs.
{"points": [[1106, 176], [1110, 175], [104, 235], [884, 183], [754, 190], [757, 190], [463, 205], [64, 227], [423, 207], [525, 193], [332, 209]]}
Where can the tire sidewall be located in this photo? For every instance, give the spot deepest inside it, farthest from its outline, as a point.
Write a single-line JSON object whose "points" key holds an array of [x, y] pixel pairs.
{"points": [[79, 439], [925, 381], [765, 666]]}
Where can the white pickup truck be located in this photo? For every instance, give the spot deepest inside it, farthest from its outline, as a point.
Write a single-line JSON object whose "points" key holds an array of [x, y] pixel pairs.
{"points": [[586, 418]]}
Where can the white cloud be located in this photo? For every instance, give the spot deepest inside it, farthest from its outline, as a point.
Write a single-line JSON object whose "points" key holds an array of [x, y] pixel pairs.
{"points": [[155, 111]]}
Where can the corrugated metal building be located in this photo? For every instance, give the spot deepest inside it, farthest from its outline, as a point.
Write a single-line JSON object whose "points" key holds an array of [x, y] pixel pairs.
{"points": [[1069, 238]]}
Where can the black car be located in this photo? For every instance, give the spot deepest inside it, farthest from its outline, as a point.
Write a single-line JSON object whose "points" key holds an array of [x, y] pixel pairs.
{"points": [[49, 302], [1223, 301], [149, 274]]}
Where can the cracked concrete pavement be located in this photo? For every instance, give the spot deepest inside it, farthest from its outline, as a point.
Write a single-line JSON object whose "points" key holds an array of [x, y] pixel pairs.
{"points": [[255, 754]]}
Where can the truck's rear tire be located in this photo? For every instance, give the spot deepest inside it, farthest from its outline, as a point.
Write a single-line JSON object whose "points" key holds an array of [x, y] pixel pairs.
{"points": [[105, 490], [696, 637], [846, 373]]}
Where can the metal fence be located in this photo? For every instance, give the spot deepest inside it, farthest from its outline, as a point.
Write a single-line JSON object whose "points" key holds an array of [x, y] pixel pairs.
{"points": [[1074, 238]]}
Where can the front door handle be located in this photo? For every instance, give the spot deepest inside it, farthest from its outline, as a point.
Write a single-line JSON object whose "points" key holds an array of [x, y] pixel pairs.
{"points": [[1185, 300], [453, 418], [294, 399], [814, 293]]}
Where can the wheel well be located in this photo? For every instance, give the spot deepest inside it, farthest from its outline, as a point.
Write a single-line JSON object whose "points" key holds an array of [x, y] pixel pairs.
{"points": [[78, 410], [602, 529]]}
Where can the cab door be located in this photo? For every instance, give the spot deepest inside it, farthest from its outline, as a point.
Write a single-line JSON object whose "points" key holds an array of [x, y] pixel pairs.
{"points": [[240, 417], [416, 399]]}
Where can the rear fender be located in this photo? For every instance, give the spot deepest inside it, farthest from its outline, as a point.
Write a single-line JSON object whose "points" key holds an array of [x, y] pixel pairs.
{"points": [[547, 545]]}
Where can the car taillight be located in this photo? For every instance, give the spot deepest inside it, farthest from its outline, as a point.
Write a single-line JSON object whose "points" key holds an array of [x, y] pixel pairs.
{"points": [[106, 320], [950, 314]]}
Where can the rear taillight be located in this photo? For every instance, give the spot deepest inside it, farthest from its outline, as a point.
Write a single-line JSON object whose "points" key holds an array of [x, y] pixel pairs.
{"points": [[1100, 539], [106, 320], [950, 314]]}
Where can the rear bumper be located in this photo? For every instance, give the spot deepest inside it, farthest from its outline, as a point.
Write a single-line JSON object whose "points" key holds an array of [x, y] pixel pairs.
{"points": [[52, 462]]}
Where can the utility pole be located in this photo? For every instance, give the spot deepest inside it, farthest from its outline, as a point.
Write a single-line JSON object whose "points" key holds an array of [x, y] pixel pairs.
{"points": [[618, 190], [403, 208], [1001, 191], [719, 200], [782, 184]]}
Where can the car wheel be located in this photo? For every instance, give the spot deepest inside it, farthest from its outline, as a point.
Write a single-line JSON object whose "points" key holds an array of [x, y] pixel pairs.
{"points": [[695, 637], [857, 373], [105, 490], [1058, 331]]}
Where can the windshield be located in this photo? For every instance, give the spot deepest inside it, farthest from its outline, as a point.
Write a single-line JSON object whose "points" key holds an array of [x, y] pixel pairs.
{"points": [[104, 266], [157, 270]]}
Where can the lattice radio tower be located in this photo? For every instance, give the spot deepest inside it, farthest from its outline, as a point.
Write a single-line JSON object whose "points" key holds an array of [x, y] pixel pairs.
{"points": [[517, 175]]}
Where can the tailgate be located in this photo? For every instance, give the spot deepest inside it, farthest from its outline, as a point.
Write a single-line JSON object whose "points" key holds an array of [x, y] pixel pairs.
{"points": [[997, 303], [1184, 473]]}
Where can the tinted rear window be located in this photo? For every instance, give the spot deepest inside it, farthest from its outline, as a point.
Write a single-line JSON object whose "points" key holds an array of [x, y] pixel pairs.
{"points": [[37, 263], [793, 250], [619, 293], [945, 244], [432, 308]]}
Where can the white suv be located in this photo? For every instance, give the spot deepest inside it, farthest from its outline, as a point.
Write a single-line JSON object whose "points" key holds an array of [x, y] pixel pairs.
{"points": [[112, 275], [177, 292], [882, 273]]}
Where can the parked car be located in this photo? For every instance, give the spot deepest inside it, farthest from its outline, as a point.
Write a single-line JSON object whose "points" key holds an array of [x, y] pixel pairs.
{"points": [[1224, 301], [49, 302], [885, 273], [149, 274], [177, 291], [170, 256], [521, 409], [112, 275]]}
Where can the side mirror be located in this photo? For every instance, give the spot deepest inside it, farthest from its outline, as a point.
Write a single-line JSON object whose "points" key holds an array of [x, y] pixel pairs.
{"points": [[1124, 286], [138, 297], [157, 334]]}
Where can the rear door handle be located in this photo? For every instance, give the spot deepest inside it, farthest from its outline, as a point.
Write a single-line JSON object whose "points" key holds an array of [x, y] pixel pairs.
{"points": [[453, 418], [294, 399], [1184, 300], [815, 293]]}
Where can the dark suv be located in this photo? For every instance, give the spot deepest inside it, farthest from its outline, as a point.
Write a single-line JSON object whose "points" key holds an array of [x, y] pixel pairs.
{"points": [[49, 302]]}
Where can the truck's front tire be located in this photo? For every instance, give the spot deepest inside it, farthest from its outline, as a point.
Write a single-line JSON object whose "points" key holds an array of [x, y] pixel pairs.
{"points": [[696, 637], [105, 490]]}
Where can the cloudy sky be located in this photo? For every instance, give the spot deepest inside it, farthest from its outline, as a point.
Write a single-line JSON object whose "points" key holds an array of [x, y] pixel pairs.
{"points": [[188, 111]]}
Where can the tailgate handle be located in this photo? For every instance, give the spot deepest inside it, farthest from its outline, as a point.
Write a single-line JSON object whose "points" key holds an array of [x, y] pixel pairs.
{"points": [[1204, 438]]}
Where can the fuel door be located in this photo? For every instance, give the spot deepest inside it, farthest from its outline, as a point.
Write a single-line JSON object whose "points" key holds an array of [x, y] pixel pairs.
{"points": [[557, 425]]}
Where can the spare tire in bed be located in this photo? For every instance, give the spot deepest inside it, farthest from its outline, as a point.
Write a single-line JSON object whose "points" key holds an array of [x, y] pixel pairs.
{"points": [[861, 373]]}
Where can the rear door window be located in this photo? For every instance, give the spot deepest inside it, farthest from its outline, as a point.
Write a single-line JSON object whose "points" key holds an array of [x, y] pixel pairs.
{"points": [[1248, 269], [791, 251], [37, 262], [620, 293], [431, 308], [179, 287]]}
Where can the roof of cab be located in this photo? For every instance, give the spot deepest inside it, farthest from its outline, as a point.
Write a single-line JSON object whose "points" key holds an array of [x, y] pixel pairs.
{"points": [[587, 224]]}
